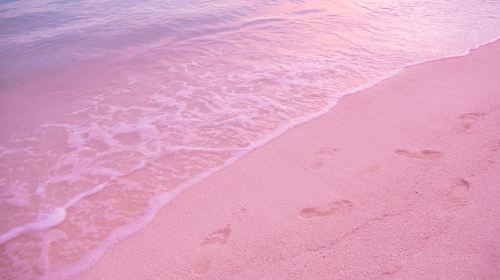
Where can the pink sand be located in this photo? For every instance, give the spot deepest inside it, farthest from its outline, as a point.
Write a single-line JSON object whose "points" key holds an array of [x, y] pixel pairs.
{"points": [[400, 181]]}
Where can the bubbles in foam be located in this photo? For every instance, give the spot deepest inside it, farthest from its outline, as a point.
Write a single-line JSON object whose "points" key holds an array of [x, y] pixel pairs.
{"points": [[43, 223]]}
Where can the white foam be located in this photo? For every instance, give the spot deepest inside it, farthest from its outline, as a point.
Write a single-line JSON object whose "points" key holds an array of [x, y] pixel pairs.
{"points": [[54, 218]]}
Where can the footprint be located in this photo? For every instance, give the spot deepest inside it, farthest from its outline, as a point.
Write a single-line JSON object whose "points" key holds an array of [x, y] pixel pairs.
{"points": [[326, 151], [469, 119], [391, 268], [458, 192], [321, 156], [213, 240], [424, 154], [369, 169], [201, 266], [338, 207], [217, 238]]}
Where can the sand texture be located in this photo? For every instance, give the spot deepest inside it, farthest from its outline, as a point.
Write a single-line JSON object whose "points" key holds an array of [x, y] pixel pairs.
{"points": [[399, 181]]}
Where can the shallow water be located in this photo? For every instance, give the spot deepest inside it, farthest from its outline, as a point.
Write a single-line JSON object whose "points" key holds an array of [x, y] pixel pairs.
{"points": [[108, 109]]}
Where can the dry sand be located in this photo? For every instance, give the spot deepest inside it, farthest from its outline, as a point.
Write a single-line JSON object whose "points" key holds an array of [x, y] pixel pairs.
{"points": [[400, 181]]}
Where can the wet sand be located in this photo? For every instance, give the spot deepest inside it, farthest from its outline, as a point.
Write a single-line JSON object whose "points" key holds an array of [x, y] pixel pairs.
{"points": [[399, 181]]}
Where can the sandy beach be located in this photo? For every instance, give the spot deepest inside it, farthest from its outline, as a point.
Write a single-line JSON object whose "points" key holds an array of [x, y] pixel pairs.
{"points": [[255, 140], [399, 181]]}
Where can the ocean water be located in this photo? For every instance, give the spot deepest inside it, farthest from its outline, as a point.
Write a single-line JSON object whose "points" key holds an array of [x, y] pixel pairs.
{"points": [[110, 109]]}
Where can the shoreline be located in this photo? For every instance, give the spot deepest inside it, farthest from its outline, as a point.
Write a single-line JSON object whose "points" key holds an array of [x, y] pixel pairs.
{"points": [[198, 260], [161, 200]]}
